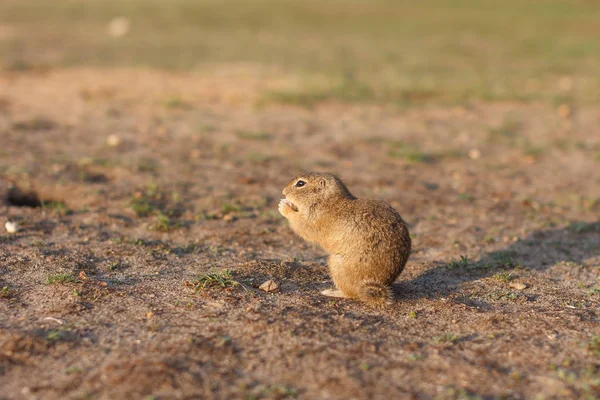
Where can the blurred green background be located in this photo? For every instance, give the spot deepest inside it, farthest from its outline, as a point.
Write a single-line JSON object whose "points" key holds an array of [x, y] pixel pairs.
{"points": [[405, 52]]}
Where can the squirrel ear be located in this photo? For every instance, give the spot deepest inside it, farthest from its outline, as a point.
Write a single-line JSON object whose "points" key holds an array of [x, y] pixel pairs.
{"points": [[322, 183]]}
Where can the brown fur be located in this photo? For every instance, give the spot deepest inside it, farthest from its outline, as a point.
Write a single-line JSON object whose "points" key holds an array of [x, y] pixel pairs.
{"points": [[367, 240]]}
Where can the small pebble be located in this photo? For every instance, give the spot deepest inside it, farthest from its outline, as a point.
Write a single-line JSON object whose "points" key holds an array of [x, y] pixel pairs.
{"points": [[11, 227], [566, 83], [474, 154], [269, 286], [195, 153], [118, 27], [113, 140], [518, 285], [563, 111]]}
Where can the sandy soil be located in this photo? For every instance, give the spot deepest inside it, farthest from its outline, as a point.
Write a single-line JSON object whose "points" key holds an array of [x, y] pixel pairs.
{"points": [[153, 184]]}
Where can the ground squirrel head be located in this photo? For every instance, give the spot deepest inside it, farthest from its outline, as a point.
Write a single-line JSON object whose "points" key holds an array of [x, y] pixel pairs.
{"points": [[313, 188]]}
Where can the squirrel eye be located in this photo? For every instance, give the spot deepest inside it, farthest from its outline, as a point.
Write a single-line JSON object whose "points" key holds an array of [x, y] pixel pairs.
{"points": [[300, 183]]}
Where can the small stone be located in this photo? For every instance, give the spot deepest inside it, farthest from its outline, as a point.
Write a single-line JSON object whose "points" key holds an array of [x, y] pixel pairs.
{"points": [[463, 137], [563, 111], [118, 27], [11, 227], [195, 154], [113, 140], [518, 285], [228, 217], [82, 276], [474, 154], [162, 131], [566, 83], [246, 180], [269, 286]]}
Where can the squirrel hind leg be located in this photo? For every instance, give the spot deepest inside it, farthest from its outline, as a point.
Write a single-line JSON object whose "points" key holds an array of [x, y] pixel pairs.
{"points": [[375, 294]]}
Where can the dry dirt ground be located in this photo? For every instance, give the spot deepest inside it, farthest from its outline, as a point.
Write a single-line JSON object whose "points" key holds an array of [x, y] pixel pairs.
{"points": [[163, 190]]}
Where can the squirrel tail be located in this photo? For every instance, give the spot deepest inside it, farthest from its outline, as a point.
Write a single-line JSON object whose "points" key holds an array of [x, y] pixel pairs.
{"points": [[375, 294]]}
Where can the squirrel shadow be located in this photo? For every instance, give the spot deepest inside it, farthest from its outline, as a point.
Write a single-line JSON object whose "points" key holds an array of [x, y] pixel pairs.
{"points": [[538, 251]]}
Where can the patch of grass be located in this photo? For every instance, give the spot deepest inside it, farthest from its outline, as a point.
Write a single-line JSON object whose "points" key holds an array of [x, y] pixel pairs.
{"points": [[583, 227], [453, 393], [206, 216], [259, 157], [594, 345], [163, 223], [414, 156], [61, 278], [72, 370], [145, 164], [466, 197], [177, 103], [231, 207], [58, 335], [273, 392], [18, 66], [430, 186], [208, 128], [348, 90], [153, 200], [104, 162], [222, 149], [409, 153], [499, 259], [516, 375], [447, 337], [5, 292], [217, 250], [510, 133], [504, 276], [462, 263], [176, 196], [301, 98], [35, 124], [507, 132], [504, 296], [190, 248], [142, 206], [127, 240], [59, 206], [489, 239], [532, 151], [220, 279], [251, 135], [416, 357], [84, 174]]}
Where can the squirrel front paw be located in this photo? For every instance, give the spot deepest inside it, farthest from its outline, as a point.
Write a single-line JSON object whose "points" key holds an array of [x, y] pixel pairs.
{"points": [[285, 207]]}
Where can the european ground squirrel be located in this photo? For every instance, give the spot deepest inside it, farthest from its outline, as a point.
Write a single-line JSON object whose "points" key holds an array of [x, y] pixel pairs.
{"points": [[367, 240]]}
